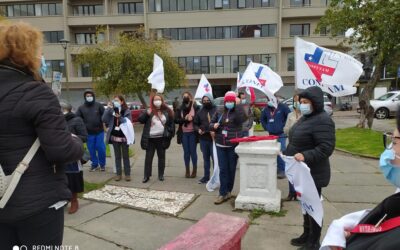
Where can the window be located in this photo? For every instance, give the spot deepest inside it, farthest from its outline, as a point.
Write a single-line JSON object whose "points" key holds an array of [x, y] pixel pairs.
{"points": [[181, 5], [268, 30], [196, 6], [92, 10], [234, 64], [189, 34], [299, 3], [173, 5], [227, 32], [211, 33], [268, 3], [129, 8], [225, 4], [219, 33], [165, 5], [249, 4], [196, 33], [219, 63], [290, 62], [53, 36], [203, 4], [300, 29], [269, 60], [203, 33], [325, 2], [241, 3], [196, 65], [188, 4], [324, 31], [181, 34], [174, 34], [89, 38], [218, 4], [151, 5], [158, 6], [84, 70], [204, 65], [54, 65], [234, 31], [16, 10]]}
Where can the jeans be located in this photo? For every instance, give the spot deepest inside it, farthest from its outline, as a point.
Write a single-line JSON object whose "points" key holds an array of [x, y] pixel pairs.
{"points": [[121, 151], [227, 160], [154, 144], [97, 149], [45, 228], [281, 163], [206, 147], [189, 148]]}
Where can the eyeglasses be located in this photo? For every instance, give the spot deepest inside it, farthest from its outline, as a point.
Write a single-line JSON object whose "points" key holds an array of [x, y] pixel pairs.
{"points": [[389, 139]]}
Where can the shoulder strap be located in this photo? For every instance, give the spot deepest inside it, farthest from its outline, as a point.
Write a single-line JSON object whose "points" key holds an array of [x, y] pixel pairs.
{"points": [[18, 172]]}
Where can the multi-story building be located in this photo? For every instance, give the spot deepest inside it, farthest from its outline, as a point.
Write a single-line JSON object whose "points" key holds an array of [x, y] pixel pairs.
{"points": [[214, 37]]}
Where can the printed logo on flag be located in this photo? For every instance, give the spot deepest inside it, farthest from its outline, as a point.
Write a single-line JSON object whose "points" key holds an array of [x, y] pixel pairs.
{"points": [[206, 87], [321, 62], [258, 75]]}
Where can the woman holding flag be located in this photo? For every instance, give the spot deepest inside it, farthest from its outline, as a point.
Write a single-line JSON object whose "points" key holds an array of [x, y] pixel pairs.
{"points": [[227, 125], [312, 141]]}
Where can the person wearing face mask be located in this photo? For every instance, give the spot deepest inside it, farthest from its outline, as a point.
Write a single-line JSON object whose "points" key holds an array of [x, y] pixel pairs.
{"points": [[202, 126], [158, 131], [273, 121], [292, 118], [312, 140], [187, 135], [227, 125], [92, 112], [114, 117], [74, 170]]}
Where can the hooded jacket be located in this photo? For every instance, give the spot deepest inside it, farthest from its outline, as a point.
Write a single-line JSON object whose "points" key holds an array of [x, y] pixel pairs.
{"points": [[313, 135], [30, 110], [202, 121], [91, 113]]}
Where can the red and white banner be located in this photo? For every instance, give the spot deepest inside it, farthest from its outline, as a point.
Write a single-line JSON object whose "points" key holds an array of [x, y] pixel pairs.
{"points": [[203, 88], [298, 173], [333, 71]]}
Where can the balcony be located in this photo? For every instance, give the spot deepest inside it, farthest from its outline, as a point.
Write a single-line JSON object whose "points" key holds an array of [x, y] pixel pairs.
{"points": [[42, 22], [324, 41], [240, 46], [304, 8], [212, 18], [105, 20]]}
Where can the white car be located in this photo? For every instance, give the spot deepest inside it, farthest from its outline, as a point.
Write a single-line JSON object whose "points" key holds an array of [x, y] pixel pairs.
{"points": [[386, 105]]}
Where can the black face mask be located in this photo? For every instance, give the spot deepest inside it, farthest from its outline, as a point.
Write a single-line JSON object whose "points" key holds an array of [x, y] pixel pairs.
{"points": [[186, 100], [207, 105]]}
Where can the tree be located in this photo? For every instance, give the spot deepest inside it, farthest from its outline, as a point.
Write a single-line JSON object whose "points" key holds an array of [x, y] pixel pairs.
{"points": [[123, 67], [375, 26]]}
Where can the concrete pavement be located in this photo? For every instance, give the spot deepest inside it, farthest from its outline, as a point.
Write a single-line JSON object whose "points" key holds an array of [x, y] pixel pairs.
{"points": [[356, 184]]}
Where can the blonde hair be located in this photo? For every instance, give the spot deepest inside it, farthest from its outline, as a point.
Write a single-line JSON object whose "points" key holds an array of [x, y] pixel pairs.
{"points": [[21, 43]]}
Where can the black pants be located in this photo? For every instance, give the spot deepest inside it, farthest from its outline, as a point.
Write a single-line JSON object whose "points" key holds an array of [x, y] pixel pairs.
{"points": [[154, 144], [45, 228], [121, 150], [311, 226]]}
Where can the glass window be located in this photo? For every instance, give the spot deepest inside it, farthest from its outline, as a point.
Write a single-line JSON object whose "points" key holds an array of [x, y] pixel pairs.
{"points": [[189, 34], [242, 63], [98, 10], [52, 9], [257, 32], [219, 33], [151, 5], [299, 29], [173, 5], [269, 60], [249, 58], [212, 64], [196, 33], [299, 3], [80, 38], [211, 33], [227, 64], [188, 4], [10, 10], [45, 9], [290, 62], [189, 64], [257, 3], [256, 58], [219, 62], [23, 9], [165, 5], [234, 4], [218, 4], [241, 3], [227, 32], [268, 3], [120, 8], [181, 34], [203, 33], [324, 31], [174, 34], [234, 64], [211, 6], [59, 10], [196, 4], [225, 4], [272, 30], [158, 5], [182, 62], [249, 4], [204, 65], [84, 70], [196, 65], [17, 10], [181, 5], [203, 4], [166, 33], [234, 31]]}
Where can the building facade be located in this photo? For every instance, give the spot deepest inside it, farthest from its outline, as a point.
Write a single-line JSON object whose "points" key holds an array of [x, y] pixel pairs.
{"points": [[214, 37]]}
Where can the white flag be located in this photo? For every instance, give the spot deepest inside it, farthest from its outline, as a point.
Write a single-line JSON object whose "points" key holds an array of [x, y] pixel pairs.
{"points": [[249, 79], [203, 88], [272, 81], [299, 175], [333, 71], [214, 183], [156, 78]]}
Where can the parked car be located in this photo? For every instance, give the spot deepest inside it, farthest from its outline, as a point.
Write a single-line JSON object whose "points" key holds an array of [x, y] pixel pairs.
{"points": [[136, 109], [386, 105], [327, 104]]}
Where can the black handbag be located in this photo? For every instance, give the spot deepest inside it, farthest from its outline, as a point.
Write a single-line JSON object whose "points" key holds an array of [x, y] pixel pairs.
{"points": [[179, 134]]}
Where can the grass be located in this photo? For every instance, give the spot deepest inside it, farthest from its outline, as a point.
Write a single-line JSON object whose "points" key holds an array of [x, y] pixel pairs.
{"points": [[90, 187], [258, 127], [364, 142], [258, 212]]}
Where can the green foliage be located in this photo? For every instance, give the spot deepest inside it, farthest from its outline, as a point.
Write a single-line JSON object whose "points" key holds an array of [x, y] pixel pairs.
{"points": [[258, 212], [123, 67], [359, 141]]}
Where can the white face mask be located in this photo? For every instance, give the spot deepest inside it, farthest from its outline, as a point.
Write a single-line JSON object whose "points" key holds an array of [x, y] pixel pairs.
{"points": [[157, 103]]}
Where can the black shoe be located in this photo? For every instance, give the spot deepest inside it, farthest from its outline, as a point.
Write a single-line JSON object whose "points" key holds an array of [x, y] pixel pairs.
{"points": [[203, 180], [145, 179], [300, 241], [161, 178], [291, 197]]}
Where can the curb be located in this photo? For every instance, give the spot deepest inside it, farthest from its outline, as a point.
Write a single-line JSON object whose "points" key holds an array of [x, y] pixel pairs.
{"points": [[355, 154]]}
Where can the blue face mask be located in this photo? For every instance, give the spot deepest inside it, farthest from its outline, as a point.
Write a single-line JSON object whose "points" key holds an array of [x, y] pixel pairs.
{"points": [[271, 104], [305, 109], [117, 104], [391, 172], [229, 105], [43, 67]]}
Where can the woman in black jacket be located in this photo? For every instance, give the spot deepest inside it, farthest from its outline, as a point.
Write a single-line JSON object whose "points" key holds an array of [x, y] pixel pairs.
{"points": [[227, 125], [74, 170], [159, 128], [34, 215], [312, 140], [116, 114]]}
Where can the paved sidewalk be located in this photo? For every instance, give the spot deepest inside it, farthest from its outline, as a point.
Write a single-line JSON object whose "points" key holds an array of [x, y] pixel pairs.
{"points": [[356, 184]]}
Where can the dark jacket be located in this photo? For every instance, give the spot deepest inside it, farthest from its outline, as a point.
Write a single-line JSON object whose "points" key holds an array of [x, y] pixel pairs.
{"points": [[314, 136], [29, 110], [76, 126], [91, 113], [274, 120], [231, 122], [180, 117], [169, 129], [108, 119], [201, 121]]}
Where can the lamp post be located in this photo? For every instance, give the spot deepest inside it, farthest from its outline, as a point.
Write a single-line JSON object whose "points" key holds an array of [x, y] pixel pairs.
{"points": [[64, 44]]}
